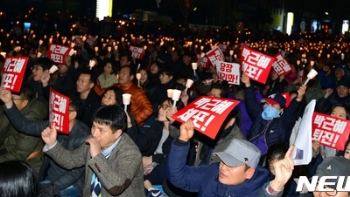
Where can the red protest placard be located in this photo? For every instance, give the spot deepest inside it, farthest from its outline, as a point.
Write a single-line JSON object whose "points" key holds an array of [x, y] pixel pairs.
{"points": [[330, 131], [215, 55], [256, 65], [207, 114], [137, 52], [281, 66], [205, 62], [228, 72], [13, 73], [57, 52], [59, 111]]}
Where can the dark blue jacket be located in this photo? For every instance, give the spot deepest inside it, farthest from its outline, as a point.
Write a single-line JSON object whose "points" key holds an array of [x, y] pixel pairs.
{"points": [[204, 179], [278, 130]]}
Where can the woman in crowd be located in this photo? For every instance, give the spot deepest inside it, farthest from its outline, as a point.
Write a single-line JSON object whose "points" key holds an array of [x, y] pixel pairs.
{"points": [[17, 179], [155, 158]]}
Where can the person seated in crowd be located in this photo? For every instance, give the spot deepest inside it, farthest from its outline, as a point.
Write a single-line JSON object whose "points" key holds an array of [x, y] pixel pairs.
{"points": [[17, 178], [155, 146], [332, 98], [230, 129], [166, 78], [39, 70], [237, 174], [146, 82], [276, 153], [112, 161], [89, 100], [16, 145], [140, 106], [64, 82], [67, 182], [273, 122], [108, 77]]}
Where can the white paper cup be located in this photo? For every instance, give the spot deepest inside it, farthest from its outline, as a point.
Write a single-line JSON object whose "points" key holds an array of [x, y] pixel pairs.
{"points": [[312, 74], [176, 95], [126, 98], [202, 54], [342, 56], [3, 54], [41, 42], [170, 93], [39, 54], [189, 83], [53, 69], [138, 76], [194, 65]]}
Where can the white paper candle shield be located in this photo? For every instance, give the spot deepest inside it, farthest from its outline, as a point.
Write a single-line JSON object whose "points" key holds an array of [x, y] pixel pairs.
{"points": [[194, 65], [72, 52], [138, 76], [176, 95], [53, 69], [342, 56], [189, 83], [39, 54], [312, 74], [170, 93], [3, 54], [126, 98], [312, 63], [202, 55]]}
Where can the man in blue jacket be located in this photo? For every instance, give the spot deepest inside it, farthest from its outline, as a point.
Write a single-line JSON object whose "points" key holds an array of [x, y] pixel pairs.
{"points": [[238, 173], [273, 122]]}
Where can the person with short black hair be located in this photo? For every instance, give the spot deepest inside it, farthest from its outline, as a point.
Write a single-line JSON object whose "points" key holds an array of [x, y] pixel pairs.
{"points": [[17, 179], [89, 100], [113, 165]]}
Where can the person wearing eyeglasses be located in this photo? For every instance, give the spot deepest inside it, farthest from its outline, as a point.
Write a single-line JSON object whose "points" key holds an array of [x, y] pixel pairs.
{"points": [[155, 146]]}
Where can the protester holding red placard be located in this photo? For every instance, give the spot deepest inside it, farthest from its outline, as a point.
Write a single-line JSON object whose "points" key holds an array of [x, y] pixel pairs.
{"points": [[273, 122], [68, 182], [18, 146]]}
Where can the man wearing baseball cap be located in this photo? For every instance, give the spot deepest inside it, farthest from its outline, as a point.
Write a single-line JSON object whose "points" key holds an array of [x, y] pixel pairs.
{"points": [[334, 166], [273, 122], [238, 173]]}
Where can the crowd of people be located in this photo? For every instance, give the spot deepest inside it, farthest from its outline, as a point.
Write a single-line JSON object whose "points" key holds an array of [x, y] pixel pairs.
{"points": [[110, 152]]}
